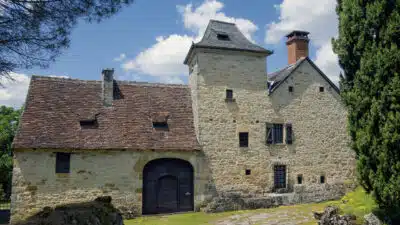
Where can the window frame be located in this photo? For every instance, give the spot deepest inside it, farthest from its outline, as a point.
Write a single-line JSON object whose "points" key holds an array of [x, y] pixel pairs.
{"points": [[223, 37], [63, 162], [244, 143], [229, 94], [280, 183]]}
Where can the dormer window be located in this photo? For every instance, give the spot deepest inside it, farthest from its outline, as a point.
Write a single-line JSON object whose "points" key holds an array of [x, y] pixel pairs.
{"points": [[223, 37], [160, 125], [89, 124]]}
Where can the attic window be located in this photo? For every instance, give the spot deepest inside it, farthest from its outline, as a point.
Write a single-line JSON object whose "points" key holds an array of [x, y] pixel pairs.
{"points": [[160, 125], [321, 89], [290, 88], [223, 37], [89, 124]]}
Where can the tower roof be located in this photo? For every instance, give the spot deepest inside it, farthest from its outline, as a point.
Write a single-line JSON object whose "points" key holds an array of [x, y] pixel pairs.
{"points": [[224, 35]]}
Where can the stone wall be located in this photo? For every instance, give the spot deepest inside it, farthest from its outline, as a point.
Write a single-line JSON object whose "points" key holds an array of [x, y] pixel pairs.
{"points": [[320, 145], [92, 174], [229, 201]]}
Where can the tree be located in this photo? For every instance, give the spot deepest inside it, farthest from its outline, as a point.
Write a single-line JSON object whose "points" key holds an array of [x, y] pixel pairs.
{"points": [[369, 54], [34, 32], [9, 118]]}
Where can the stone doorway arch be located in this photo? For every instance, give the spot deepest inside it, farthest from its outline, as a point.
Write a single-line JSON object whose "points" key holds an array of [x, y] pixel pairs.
{"points": [[167, 186]]}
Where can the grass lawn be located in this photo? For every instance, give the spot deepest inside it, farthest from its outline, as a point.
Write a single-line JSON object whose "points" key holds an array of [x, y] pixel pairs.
{"points": [[357, 203], [4, 205]]}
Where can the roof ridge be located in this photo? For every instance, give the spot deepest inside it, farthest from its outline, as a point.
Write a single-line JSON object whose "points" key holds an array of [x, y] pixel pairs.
{"points": [[126, 82], [220, 21]]}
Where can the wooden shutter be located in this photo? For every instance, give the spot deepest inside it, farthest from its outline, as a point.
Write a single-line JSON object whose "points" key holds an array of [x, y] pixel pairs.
{"points": [[289, 134], [269, 133]]}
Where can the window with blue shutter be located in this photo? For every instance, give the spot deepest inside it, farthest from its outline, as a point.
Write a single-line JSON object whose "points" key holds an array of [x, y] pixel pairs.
{"points": [[63, 162], [269, 134], [278, 133], [289, 134]]}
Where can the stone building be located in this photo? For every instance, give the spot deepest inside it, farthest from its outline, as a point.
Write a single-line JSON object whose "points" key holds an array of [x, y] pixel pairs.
{"points": [[267, 139]]}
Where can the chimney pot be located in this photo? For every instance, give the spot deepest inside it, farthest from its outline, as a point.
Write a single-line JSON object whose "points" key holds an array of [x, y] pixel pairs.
{"points": [[107, 86], [297, 45]]}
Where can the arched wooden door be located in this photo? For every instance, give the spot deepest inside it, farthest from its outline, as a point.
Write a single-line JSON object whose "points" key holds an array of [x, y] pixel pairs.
{"points": [[167, 186]]}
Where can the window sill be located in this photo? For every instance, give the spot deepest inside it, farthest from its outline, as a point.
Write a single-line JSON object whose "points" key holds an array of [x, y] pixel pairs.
{"points": [[243, 146], [230, 100], [60, 175]]}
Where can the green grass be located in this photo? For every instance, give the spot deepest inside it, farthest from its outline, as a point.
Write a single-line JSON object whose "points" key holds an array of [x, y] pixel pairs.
{"points": [[4, 205], [356, 202]]}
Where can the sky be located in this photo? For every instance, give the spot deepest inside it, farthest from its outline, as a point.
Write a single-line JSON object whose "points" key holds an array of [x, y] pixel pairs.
{"points": [[149, 40]]}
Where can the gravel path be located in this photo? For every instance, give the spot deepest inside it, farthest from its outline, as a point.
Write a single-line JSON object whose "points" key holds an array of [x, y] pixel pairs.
{"points": [[280, 217]]}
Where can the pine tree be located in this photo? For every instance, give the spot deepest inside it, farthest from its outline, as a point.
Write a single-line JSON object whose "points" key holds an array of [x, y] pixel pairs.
{"points": [[369, 54]]}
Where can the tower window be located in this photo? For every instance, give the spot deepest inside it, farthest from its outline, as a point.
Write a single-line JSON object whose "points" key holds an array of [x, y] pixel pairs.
{"points": [[322, 179], [244, 139], [290, 88], [300, 179], [248, 172], [223, 37], [321, 89], [229, 94]]}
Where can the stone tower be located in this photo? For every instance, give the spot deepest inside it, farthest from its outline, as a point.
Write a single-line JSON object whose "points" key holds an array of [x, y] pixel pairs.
{"points": [[228, 79]]}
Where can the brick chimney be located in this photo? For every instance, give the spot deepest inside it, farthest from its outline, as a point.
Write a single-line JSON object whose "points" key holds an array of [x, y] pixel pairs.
{"points": [[297, 45], [107, 86]]}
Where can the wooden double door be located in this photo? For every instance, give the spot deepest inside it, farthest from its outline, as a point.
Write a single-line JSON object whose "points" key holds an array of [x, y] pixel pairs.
{"points": [[167, 186]]}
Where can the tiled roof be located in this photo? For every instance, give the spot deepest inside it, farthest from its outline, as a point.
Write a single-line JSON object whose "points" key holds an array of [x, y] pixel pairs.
{"points": [[236, 40], [275, 79], [55, 107]]}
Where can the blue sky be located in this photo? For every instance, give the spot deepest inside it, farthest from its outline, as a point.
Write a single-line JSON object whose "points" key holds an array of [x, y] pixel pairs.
{"points": [[148, 40]]}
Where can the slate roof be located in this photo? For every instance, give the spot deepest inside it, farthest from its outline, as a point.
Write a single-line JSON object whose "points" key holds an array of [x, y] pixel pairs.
{"points": [[276, 78], [55, 107], [237, 41]]}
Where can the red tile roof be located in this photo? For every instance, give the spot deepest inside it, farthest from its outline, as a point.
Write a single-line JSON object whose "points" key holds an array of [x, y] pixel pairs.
{"points": [[55, 107]]}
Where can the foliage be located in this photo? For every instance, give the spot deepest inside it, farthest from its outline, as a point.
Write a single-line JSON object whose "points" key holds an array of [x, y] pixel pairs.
{"points": [[33, 33], [368, 50], [9, 118]]}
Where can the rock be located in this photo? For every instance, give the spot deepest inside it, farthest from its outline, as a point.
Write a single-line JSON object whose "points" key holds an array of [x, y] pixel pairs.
{"points": [[331, 216], [371, 219], [98, 212]]}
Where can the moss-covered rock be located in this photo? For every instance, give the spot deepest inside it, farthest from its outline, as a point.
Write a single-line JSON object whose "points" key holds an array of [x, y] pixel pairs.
{"points": [[97, 212]]}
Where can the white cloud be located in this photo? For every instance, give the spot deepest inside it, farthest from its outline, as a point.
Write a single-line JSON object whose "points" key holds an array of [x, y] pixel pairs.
{"points": [[121, 57], [13, 92], [164, 59], [316, 16]]}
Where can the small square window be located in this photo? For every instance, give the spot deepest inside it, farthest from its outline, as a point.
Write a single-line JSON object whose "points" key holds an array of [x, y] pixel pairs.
{"points": [[63, 161], [322, 179], [321, 89], [290, 88], [299, 179], [248, 172], [229, 94], [223, 37], [160, 125], [244, 139]]}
